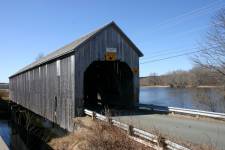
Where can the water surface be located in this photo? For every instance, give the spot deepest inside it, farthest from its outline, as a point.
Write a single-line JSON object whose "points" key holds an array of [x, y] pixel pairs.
{"points": [[199, 98], [5, 131]]}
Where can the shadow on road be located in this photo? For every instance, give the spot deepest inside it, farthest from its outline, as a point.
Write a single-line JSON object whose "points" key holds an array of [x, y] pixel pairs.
{"points": [[141, 109]]}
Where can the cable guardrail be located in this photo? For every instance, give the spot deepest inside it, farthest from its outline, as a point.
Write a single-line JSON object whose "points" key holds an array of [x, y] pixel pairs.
{"points": [[139, 135], [183, 111]]}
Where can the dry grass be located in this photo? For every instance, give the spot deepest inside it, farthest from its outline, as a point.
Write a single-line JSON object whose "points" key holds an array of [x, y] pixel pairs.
{"points": [[4, 94], [95, 135]]}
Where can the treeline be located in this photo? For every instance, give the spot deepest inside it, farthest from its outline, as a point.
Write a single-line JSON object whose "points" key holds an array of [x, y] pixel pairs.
{"points": [[197, 76], [4, 86]]}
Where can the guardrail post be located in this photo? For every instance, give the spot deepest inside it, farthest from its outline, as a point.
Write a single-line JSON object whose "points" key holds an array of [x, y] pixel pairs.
{"points": [[130, 130], [161, 142], [197, 116], [109, 120], [93, 115]]}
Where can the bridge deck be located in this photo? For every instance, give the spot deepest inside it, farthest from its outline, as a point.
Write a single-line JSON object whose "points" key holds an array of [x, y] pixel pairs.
{"points": [[184, 129]]}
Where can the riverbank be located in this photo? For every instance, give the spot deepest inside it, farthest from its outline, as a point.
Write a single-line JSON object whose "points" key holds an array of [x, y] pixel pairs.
{"points": [[4, 94], [167, 86], [155, 86]]}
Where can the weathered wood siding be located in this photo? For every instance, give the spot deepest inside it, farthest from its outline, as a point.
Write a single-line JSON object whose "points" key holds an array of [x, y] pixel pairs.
{"points": [[94, 50], [47, 90], [54, 89]]}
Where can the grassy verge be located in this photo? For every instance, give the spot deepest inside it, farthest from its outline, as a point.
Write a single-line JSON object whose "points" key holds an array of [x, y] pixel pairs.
{"points": [[4, 94], [95, 135]]}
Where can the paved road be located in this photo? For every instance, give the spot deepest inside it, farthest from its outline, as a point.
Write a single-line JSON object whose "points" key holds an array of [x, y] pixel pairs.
{"points": [[187, 129]]}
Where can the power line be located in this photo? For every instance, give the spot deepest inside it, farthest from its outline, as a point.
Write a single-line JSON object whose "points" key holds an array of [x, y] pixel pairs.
{"points": [[170, 23], [187, 53], [159, 53], [168, 50], [185, 16], [187, 31], [211, 5], [196, 11], [165, 52], [170, 57], [171, 52]]}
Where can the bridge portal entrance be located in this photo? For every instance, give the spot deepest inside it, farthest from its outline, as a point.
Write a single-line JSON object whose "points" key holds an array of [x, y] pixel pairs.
{"points": [[108, 84]]}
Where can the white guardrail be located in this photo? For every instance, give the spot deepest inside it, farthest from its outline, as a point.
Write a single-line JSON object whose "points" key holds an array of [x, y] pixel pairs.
{"points": [[139, 135], [183, 111]]}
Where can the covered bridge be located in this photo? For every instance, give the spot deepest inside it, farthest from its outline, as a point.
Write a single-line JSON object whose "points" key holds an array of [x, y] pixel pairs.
{"points": [[99, 69]]}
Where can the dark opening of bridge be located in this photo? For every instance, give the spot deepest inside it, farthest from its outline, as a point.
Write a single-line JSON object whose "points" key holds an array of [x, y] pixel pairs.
{"points": [[108, 84]]}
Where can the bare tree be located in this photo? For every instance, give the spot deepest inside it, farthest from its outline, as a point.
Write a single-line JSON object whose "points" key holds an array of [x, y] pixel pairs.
{"points": [[212, 53]]}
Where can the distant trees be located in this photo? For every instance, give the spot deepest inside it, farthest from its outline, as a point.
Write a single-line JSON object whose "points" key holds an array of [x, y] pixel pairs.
{"points": [[204, 76], [197, 76], [179, 79], [155, 79]]}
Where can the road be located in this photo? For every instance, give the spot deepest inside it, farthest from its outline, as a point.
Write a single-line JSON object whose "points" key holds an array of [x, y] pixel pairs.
{"points": [[184, 129]]}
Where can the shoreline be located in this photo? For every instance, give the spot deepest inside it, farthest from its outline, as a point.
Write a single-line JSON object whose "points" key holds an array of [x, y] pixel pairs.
{"points": [[210, 86], [156, 86], [167, 86]]}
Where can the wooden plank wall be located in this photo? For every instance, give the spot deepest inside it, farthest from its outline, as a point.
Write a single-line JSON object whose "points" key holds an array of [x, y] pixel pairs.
{"points": [[39, 89], [94, 50]]}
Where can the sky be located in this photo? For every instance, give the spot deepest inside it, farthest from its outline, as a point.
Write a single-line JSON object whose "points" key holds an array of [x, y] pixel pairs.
{"points": [[159, 28]]}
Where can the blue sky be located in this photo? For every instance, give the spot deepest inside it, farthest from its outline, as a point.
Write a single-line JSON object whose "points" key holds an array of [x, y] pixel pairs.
{"points": [[28, 28]]}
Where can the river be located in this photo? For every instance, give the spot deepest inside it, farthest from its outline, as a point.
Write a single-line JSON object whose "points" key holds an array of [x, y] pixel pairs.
{"points": [[209, 99], [5, 131]]}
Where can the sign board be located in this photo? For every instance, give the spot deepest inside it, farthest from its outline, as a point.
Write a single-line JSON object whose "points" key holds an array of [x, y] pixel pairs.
{"points": [[135, 70], [113, 50], [110, 54]]}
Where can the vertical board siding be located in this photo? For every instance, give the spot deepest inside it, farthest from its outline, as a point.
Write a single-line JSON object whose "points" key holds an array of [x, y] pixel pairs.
{"points": [[94, 50], [66, 98], [38, 88], [58, 94]]}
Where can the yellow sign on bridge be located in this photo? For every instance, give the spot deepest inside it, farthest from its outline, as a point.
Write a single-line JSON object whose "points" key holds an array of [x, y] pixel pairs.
{"points": [[110, 54]]}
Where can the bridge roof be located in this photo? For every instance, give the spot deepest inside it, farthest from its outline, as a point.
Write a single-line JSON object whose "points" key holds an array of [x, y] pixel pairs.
{"points": [[73, 45]]}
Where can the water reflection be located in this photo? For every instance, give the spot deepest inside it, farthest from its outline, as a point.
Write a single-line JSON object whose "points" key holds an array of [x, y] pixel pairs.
{"points": [[17, 138], [210, 99], [5, 131], [26, 140]]}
